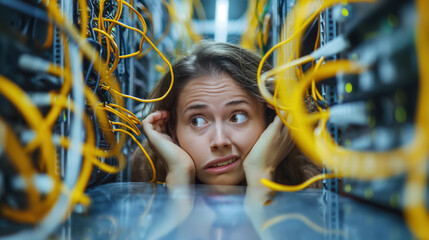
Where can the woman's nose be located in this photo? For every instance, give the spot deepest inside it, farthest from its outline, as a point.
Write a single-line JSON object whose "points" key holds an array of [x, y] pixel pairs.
{"points": [[219, 139]]}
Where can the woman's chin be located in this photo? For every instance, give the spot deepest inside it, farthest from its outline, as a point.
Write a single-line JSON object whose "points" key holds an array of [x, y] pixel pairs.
{"points": [[223, 179]]}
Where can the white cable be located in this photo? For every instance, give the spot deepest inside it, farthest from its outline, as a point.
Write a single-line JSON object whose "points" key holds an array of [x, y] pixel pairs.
{"points": [[349, 113], [42, 182], [333, 47], [32, 63], [74, 157], [41, 99]]}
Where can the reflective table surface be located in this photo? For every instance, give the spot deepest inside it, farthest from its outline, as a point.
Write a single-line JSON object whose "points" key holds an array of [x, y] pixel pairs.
{"points": [[154, 211]]}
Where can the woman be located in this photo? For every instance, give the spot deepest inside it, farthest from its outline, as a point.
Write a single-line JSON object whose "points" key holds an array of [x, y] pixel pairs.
{"points": [[215, 128]]}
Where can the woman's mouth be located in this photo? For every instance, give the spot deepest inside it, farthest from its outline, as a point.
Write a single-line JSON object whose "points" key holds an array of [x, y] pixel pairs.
{"points": [[221, 165]]}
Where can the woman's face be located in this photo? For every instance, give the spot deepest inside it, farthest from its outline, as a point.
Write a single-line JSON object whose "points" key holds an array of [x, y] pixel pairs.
{"points": [[218, 123]]}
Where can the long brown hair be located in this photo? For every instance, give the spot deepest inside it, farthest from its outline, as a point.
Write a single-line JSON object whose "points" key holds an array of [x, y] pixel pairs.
{"points": [[213, 58]]}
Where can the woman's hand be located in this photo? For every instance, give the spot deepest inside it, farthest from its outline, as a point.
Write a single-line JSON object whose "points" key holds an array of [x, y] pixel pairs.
{"points": [[274, 144], [180, 167]]}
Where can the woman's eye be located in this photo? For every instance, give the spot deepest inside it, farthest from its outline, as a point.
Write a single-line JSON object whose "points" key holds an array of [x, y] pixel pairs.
{"points": [[238, 117], [198, 121]]}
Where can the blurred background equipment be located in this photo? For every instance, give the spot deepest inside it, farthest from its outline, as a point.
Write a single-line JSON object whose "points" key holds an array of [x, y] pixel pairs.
{"points": [[366, 78]]}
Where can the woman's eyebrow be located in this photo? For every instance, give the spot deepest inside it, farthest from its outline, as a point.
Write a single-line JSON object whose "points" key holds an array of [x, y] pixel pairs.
{"points": [[195, 106], [237, 102], [203, 106]]}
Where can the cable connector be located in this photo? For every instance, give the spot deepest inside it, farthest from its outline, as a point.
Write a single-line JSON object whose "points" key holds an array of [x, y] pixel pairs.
{"points": [[349, 113], [43, 183], [33, 64], [333, 47]]}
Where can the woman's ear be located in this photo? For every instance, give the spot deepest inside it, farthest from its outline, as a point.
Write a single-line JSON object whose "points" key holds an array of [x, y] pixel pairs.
{"points": [[172, 130], [273, 108], [270, 106]]}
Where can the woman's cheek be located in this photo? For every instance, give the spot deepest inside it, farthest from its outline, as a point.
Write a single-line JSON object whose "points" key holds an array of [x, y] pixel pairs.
{"points": [[246, 139], [193, 144]]}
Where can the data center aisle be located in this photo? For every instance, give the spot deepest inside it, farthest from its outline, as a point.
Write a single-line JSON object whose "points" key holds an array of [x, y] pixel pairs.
{"points": [[155, 211]]}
